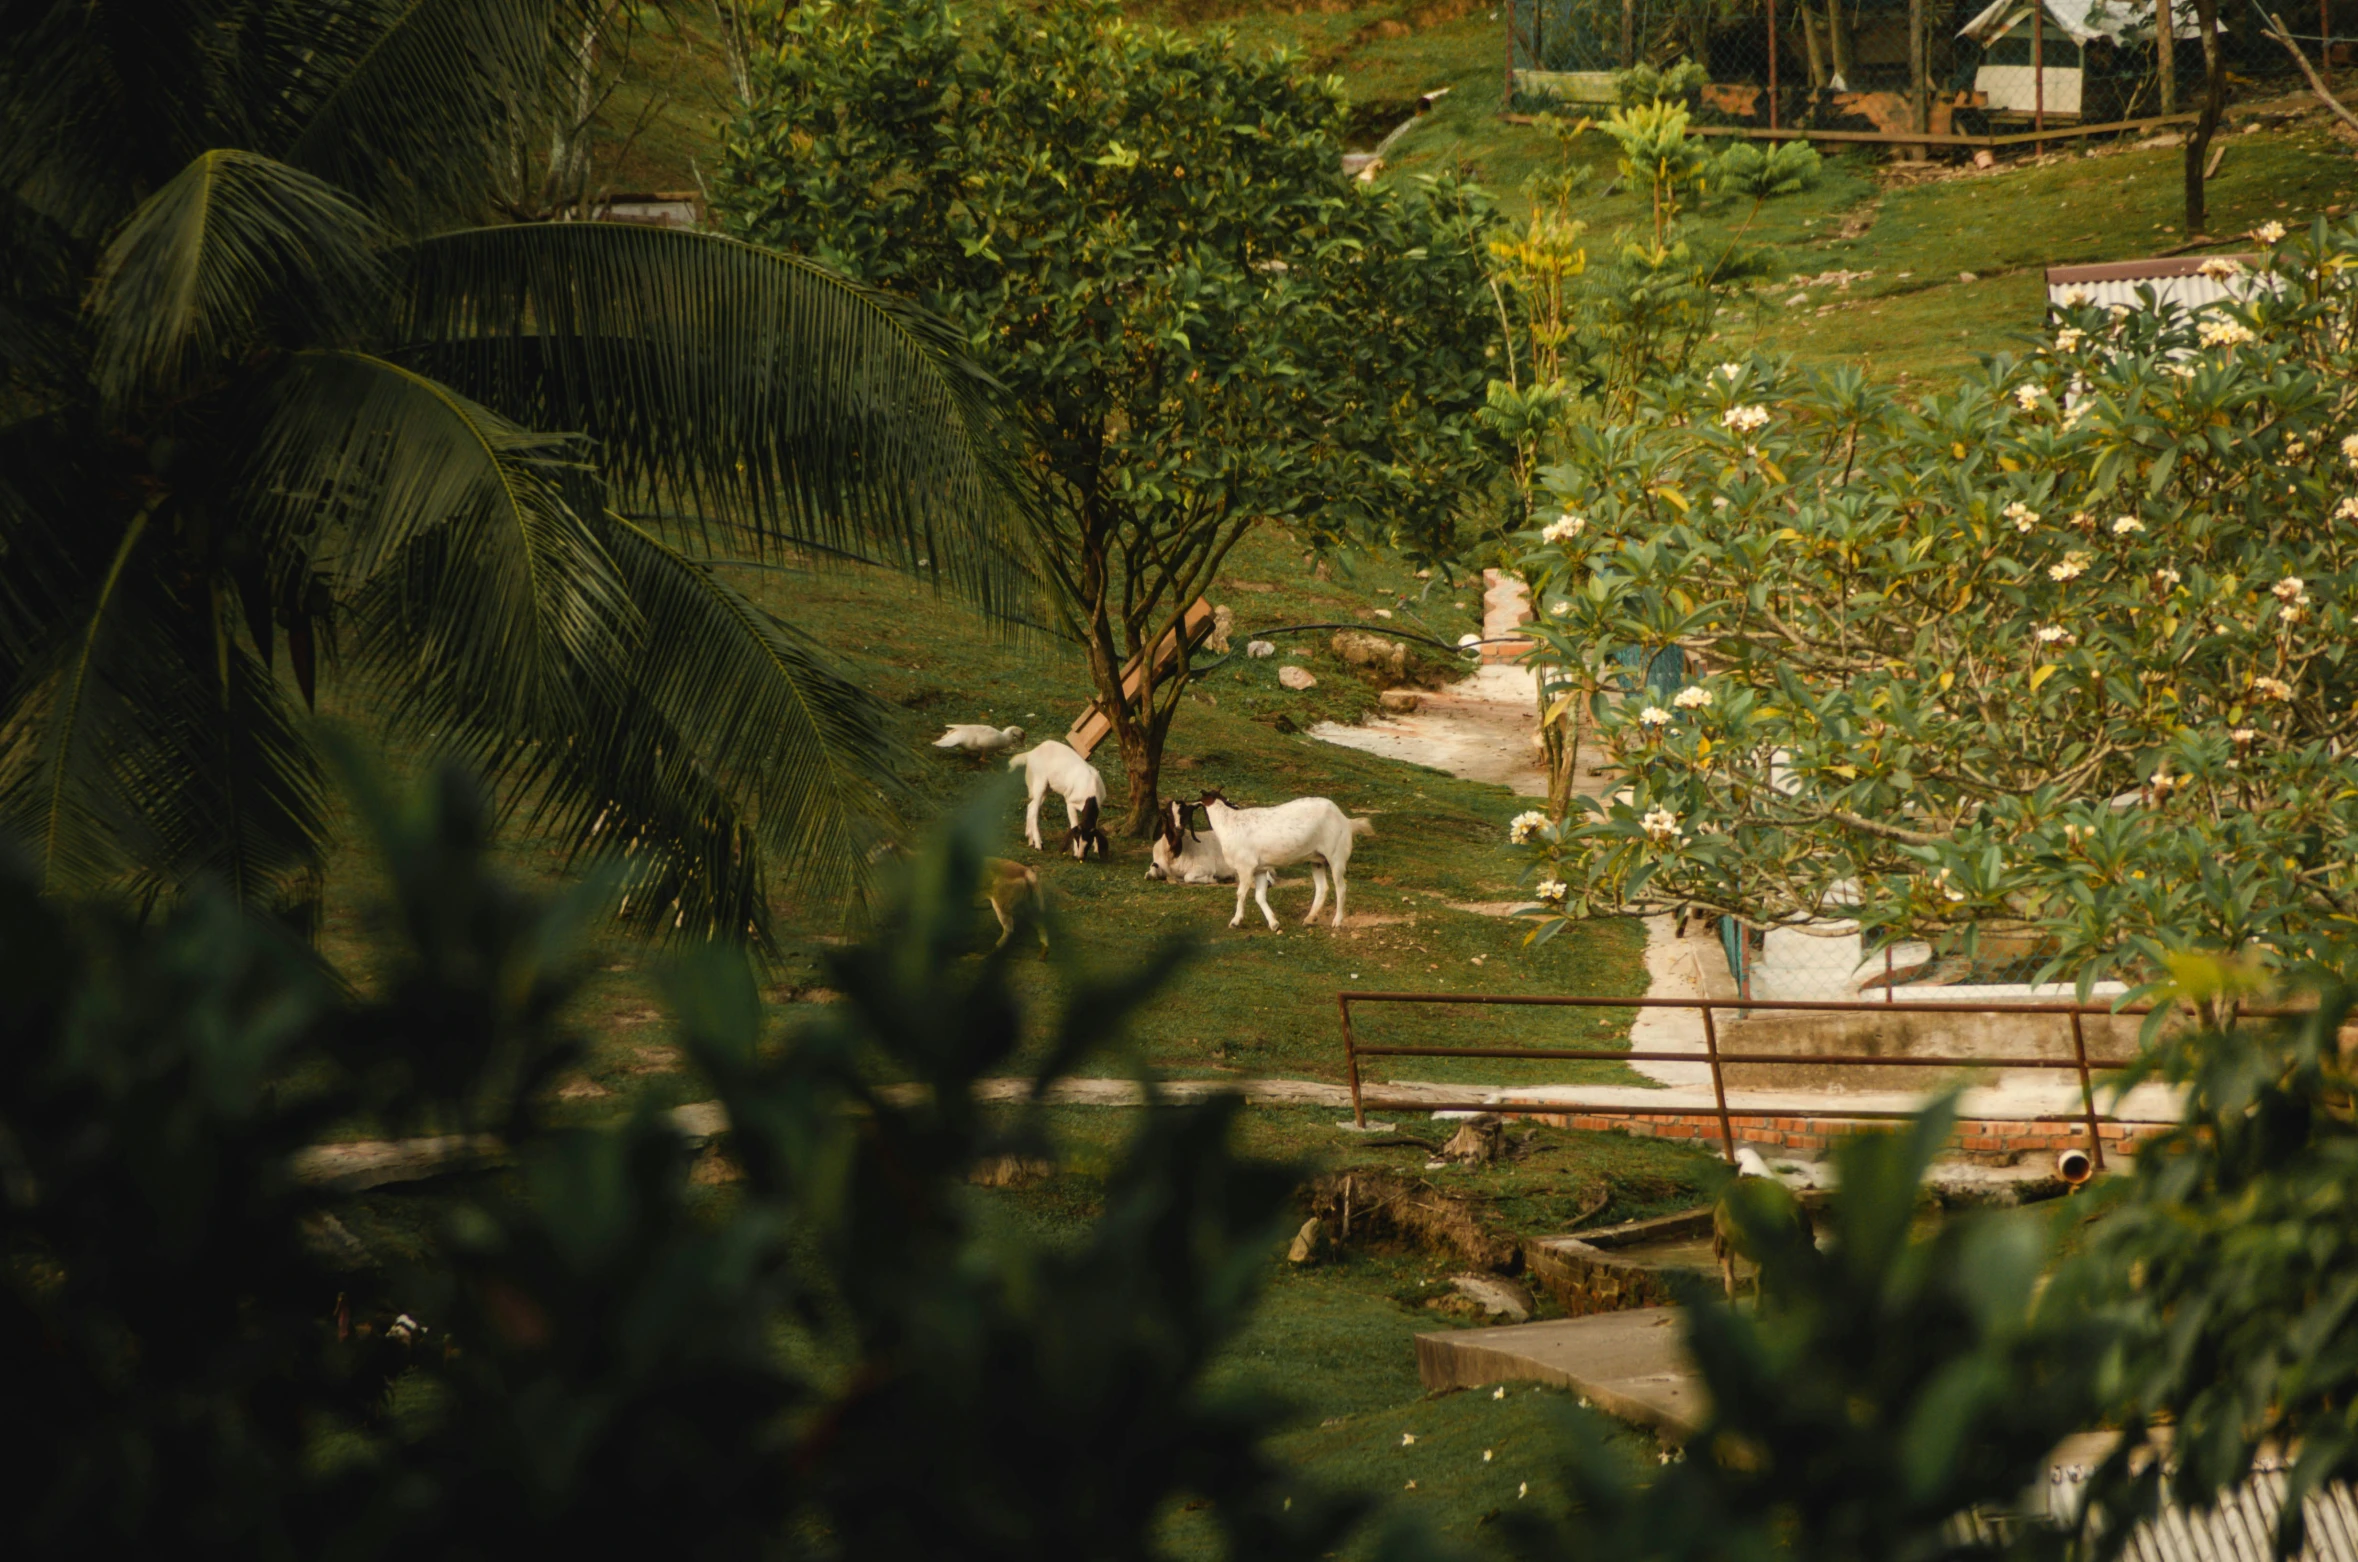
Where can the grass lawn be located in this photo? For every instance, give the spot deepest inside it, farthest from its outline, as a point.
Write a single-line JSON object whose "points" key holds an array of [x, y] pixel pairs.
{"points": [[1337, 1337]]}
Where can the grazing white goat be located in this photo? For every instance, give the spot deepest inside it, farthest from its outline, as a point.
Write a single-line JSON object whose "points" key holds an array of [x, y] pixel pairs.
{"points": [[1259, 841], [1086, 835], [1053, 767], [973, 738], [1184, 855]]}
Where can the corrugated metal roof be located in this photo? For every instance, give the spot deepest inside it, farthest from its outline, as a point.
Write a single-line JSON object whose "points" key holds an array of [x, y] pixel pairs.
{"points": [[2242, 1528], [2174, 279]]}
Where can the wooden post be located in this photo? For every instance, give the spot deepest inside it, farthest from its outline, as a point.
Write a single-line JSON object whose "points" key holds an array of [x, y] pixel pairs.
{"points": [[1506, 97], [1351, 1058], [1772, 86], [2325, 40], [1919, 69], [2165, 52], [2039, 64], [1629, 32]]}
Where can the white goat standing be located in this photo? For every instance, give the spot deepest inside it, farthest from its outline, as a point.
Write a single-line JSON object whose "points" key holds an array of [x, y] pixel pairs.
{"points": [[1184, 855], [1259, 841], [1054, 767], [975, 738]]}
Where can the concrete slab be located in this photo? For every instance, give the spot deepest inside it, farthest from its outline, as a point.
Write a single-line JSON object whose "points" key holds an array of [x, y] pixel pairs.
{"points": [[1629, 1364]]}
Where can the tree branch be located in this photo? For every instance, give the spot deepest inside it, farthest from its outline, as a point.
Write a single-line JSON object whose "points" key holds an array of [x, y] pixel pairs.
{"points": [[2278, 31]]}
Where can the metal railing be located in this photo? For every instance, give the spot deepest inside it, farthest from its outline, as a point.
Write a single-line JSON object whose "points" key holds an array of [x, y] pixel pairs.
{"points": [[1718, 1058]]}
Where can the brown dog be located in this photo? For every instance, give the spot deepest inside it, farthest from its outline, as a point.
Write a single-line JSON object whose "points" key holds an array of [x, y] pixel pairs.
{"points": [[1005, 887]]}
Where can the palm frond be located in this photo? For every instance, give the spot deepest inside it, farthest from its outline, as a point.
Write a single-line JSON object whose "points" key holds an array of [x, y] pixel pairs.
{"points": [[426, 95], [145, 747], [736, 756], [761, 392], [481, 587], [235, 251]]}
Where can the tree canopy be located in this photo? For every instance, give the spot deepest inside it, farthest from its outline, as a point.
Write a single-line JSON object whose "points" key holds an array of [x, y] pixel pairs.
{"points": [[2062, 649], [1150, 240], [279, 409]]}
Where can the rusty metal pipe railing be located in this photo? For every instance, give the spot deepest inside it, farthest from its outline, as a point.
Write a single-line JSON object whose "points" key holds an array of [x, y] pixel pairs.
{"points": [[1718, 1059]]}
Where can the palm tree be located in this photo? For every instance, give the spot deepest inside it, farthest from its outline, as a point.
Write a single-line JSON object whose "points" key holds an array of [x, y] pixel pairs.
{"points": [[276, 406]]}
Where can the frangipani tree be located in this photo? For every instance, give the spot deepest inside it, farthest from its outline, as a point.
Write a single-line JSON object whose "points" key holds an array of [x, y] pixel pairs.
{"points": [[276, 408], [2064, 649]]}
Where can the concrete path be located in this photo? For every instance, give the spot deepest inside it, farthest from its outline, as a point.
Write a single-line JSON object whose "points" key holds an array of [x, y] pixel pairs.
{"points": [[1631, 1364]]}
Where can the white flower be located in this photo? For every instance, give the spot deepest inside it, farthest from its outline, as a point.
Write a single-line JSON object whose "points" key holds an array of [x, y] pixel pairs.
{"points": [[2291, 589], [1661, 827], [2350, 449], [1407, 1438], [2022, 515], [2166, 575], [2072, 415], [2027, 397], [1746, 420], [2081, 520], [1731, 371], [1653, 716], [1552, 891], [1693, 697], [2069, 338], [2220, 268], [1523, 1490], [2347, 510], [2182, 371], [2269, 232], [2243, 735], [1520, 828], [1486, 1453], [2223, 333], [1563, 529], [2054, 634], [2272, 689], [2292, 613], [1942, 879], [2294, 449], [1498, 1392], [2126, 525], [1559, 607], [2075, 298], [2119, 312], [2074, 565]]}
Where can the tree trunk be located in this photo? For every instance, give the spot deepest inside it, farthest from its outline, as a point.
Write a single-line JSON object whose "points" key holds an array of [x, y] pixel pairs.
{"points": [[1838, 44], [1812, 47], [2214, 99], [735, 46], [2165, 53]]}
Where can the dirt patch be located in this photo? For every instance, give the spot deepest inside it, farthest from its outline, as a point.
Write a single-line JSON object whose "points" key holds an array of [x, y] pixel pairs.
{"points": [[1374, 1206], [1491, 908]]}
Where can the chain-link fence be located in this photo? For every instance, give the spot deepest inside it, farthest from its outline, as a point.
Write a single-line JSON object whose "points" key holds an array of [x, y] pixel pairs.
{"points": [[1889, 70], [1829, 960]]}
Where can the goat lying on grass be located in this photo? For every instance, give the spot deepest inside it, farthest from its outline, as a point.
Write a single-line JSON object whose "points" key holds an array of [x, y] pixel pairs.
{"points": [[1259, 841], [1184, 855], [1004, 888], [1053, 767]]}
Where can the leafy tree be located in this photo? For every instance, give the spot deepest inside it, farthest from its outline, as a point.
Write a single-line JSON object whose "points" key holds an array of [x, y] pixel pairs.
{"points": [[844, 1355], [274, 406], [2059, 653], [1148, 238]]}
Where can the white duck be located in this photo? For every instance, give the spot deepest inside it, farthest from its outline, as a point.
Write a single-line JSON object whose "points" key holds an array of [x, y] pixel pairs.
{"points": [[973, 738]]}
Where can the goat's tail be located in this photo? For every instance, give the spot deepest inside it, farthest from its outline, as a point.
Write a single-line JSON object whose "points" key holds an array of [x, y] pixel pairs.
{"points": [[1363, 827]]}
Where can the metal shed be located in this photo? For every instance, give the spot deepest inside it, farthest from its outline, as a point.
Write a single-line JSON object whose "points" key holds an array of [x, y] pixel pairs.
{"points": [[2178, 279]]}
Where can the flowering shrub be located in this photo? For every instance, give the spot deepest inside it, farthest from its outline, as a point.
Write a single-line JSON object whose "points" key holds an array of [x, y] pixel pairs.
{"points": [[2066, 645]]}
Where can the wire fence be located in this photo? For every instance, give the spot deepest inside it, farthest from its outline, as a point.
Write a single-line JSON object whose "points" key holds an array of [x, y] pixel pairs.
{"points": [[1908, 71]]}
